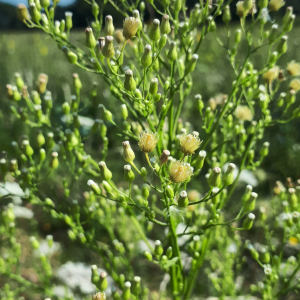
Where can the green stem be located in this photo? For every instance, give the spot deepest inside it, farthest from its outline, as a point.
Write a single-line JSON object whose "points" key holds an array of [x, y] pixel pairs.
{"points": [[194, 271]]}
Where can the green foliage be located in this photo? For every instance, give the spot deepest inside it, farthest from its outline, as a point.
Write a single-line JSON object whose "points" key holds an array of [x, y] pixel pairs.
{"points": [[152, 72]]}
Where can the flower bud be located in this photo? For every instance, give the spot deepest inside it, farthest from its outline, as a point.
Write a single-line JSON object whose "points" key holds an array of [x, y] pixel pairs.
{"points": [[183, 200], [200, 160], [172, 54], [136, 15], [126, 291], [71, 56], [104, 171], [129, 83], [227, 178], [247, 5], [250, 203], [264, 151], [212, 27], [102, 283], [153, 86], [23, 14], [54, 160], [124, 111], [34, 243], [214, 178], [288, 14], [273, 34], [169, 192], [292, 198], [165, 27], [35, 14], [154, 33], [288, 25], [248, 222], [146, 59], [130, 27], [27, 149], [145, 191], [237, 36], [128, 153], [95, 276], [109, 26], [94, 186], [158, 249], [282, 45], [226, 18], [148, 255], [263, 3], [144, 172], [108, 50], [264, 256], [69, 22], [162, 42], [191, 64]]}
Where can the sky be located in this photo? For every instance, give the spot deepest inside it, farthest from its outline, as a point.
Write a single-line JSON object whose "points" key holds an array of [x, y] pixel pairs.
{"points": [[16, 2]]}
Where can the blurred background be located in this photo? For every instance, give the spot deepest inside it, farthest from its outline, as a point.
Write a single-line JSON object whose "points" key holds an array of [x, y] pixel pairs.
{"points": [[31, 52]]}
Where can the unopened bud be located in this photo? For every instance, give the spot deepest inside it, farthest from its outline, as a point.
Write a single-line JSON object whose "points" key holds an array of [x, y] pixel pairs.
{"points": [[250, 203], [227, 178], [129, 83], [54, 161], [214, 178], [183, 200], [154, 33], [109, 26], [248, 222], [108, 50]]}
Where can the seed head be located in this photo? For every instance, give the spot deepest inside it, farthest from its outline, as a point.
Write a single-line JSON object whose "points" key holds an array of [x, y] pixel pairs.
{"points": [[164, 157], [130, 27], [243, 113], [189, 143], [180, 171], [295, 85], [99, 296], [275, 5], [271, 74], [293, 68], [147, 141]]}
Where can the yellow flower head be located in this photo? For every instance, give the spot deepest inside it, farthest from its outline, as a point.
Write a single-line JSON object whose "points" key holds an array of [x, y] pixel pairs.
{"points": [[240, 9], [295, 85], [130, 27], [147, 141], [271, 74], [180, 171], [189, 143], [99, 296], [293, 68], [243, 113], [275, 5]]}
